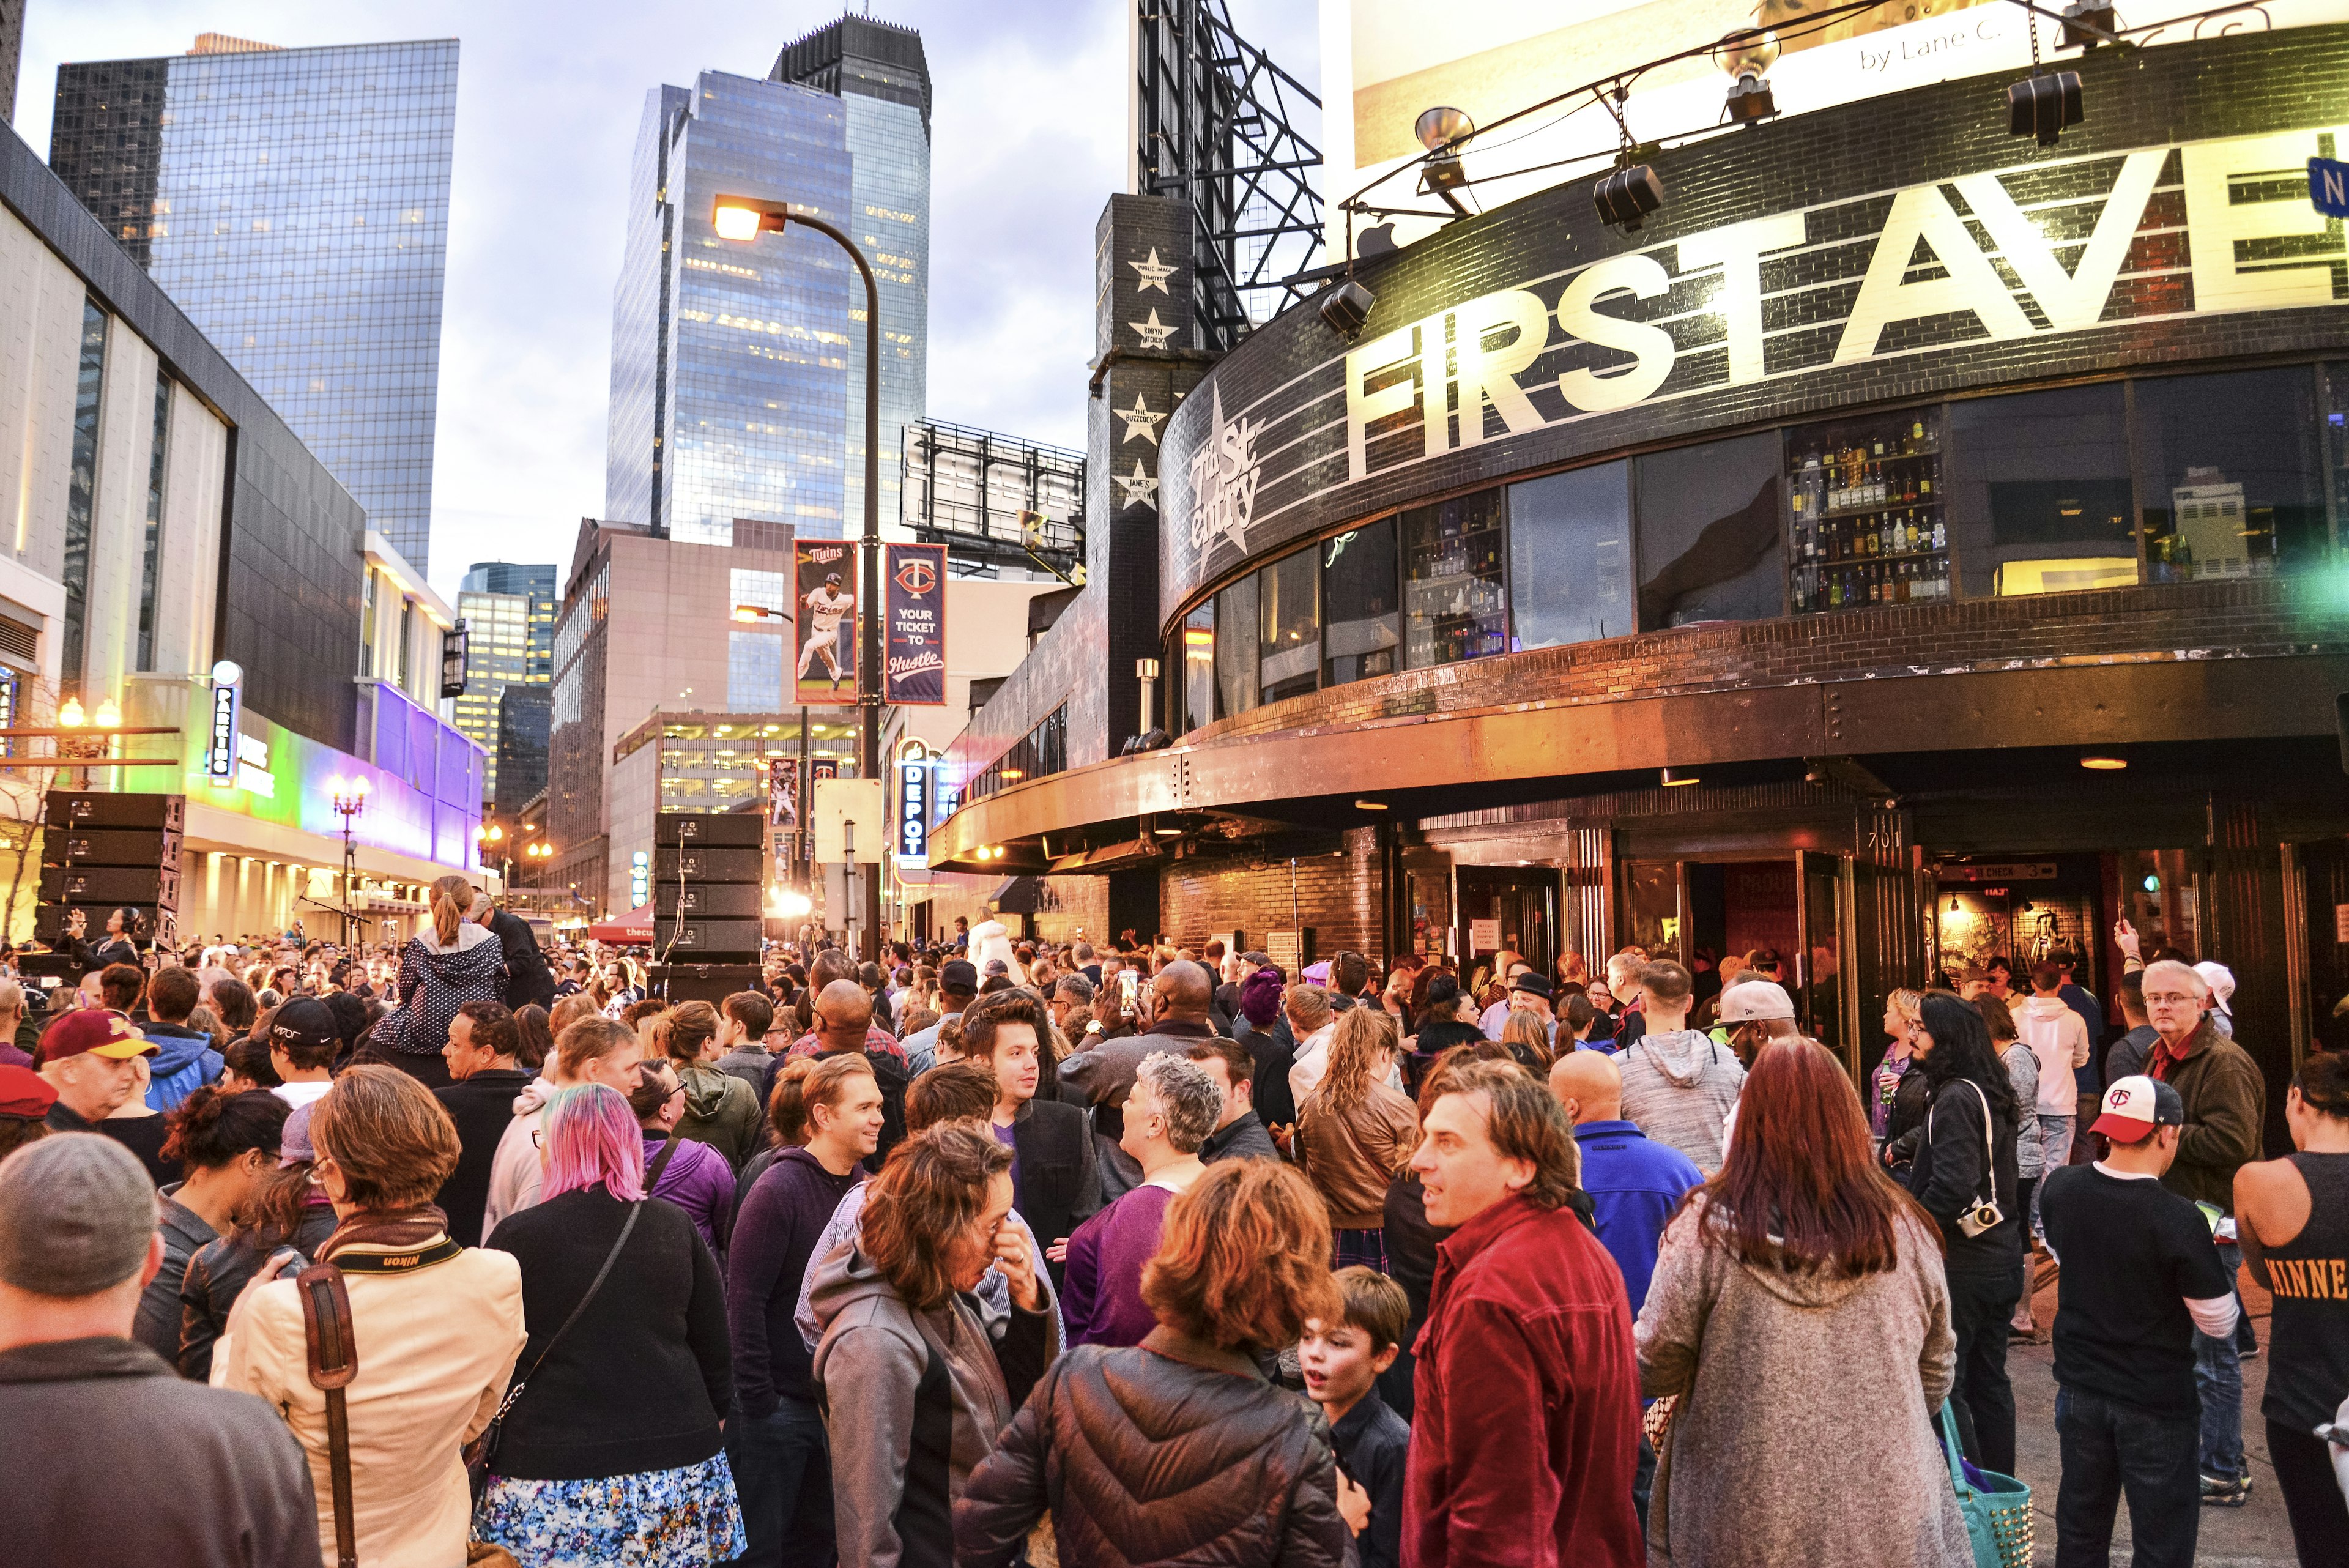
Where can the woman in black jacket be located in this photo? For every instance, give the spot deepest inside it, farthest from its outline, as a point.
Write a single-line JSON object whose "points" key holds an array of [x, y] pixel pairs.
{"points": [[1177, 1448], [609, 1449], [1959, 1165]]}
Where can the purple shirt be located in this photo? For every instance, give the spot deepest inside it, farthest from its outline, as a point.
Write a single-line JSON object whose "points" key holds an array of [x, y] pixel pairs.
{"points": [[1102, 1301], [1010, 1139], [698, 1181]]}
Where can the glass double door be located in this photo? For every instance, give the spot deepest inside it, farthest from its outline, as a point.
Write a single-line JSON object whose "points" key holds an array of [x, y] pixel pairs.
{"points": [[1506, 910], [1785, 917]]}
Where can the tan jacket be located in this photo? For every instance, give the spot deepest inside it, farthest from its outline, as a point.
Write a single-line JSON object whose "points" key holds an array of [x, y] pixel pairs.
{"points": [[1352, 1154], [435, 1350]]}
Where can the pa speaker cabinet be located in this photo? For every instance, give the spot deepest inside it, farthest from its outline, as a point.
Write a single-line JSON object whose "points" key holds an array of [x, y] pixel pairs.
{"points": [[709, 830], [50, 922], [158, 847], [711, 982], [137, 887], [708, 900], [716, 939], [736, 865], [74, 809]]}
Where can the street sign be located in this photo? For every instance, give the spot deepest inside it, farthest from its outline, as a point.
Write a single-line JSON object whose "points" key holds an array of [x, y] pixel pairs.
{"points": [[2328, 186], [914, 812]]}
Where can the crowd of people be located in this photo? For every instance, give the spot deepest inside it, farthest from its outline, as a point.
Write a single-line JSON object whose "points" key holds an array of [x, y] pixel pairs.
{"points": [[996, 1252]]}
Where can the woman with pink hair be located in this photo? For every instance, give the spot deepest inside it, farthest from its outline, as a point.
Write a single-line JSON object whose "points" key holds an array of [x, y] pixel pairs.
{"points": [[608, 1449]]}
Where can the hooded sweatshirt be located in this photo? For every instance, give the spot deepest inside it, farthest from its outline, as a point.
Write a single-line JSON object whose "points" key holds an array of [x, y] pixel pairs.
{"points": [[2058, 1037], [184, 1062], [1678, 1085], [720, 1110], [922, 1395], [515, 1173]]}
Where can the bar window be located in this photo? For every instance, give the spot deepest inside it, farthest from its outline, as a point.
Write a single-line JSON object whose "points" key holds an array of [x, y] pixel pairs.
{"points": [[2228, 475], [1289, 629], [1361, 609], [1571, 558], [1454, 605], [1195, 646], [2039, 494], [1709, 543], [1236, 650]]}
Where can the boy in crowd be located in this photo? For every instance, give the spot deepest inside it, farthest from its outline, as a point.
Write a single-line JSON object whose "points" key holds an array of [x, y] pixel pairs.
{"points": [[1341, 1362], [2140, 1276]]}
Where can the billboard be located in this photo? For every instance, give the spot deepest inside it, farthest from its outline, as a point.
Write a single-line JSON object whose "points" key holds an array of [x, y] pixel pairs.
{"points": [[1385, 62], [825, 593], [914, 624], [782, 794]]}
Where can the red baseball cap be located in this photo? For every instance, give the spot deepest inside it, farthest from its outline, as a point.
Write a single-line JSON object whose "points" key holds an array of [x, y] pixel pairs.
{"points": [[24, 1093], [96, 1031]]}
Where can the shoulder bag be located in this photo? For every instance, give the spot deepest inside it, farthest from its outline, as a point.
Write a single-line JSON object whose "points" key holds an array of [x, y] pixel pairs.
{"points": [[483, 1450], [333, 1363], [1985, 1214], [1996, 1508]]}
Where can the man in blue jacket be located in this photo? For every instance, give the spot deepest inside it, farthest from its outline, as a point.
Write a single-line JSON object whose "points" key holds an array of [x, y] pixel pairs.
{"points": [[184, 1060], [1634, 1183]]}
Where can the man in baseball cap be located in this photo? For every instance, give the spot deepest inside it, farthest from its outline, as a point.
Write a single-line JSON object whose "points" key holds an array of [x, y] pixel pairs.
{"points": [[2140, 1276], [1754, 1012], [86, 1056], [78, 1245], [957, 989]]}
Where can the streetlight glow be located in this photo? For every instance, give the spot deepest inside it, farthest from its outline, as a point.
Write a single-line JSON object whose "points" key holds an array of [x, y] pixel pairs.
{"points": [[109, 717], [70, 713], [737, 223]]}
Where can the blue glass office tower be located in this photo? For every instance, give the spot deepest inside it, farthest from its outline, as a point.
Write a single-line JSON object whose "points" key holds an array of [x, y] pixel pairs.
{"points": [[295, 203], [738, 371]]}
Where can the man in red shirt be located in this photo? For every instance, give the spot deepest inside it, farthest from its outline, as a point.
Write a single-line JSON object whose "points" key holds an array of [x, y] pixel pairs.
{"points": [[1527, 1427]]}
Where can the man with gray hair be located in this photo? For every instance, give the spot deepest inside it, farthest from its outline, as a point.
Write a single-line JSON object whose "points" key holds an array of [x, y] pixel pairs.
{"points": [[2226, 1105], [78, 1397], [1172, 1107]]}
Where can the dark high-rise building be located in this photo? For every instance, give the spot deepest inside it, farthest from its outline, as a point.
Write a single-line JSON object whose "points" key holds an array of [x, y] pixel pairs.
{"points": [[11, 45], [295, 203], [524, 715], [509, 614]]}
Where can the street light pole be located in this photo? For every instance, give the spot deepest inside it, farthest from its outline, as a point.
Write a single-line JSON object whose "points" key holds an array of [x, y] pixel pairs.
{"points": [[350, 799], [743, 218]]}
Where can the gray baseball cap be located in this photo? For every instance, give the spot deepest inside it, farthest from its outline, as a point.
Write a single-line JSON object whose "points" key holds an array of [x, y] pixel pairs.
{"points": [[76, 1211]]}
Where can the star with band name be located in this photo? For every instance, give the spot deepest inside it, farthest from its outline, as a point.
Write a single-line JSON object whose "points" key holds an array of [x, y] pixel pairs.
{"points": [[1140, 421], [1141, 489], [1154, 274], [1153, 333]]}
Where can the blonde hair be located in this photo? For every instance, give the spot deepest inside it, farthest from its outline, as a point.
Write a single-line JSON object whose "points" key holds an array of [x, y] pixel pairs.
{"points": [[1354, 1045], [451, 895], [1908, 1004]]}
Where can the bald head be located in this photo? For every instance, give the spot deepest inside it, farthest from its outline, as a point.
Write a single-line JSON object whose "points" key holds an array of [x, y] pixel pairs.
{"points": [[1589, 1086], [842, 1012], [1184, 990]]}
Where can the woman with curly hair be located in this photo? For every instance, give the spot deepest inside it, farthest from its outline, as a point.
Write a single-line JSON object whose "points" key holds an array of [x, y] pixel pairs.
{"points": [[1177, 1450]]}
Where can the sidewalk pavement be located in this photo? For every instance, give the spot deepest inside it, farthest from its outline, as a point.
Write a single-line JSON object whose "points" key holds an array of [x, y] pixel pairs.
{"points": [[2254, 1536]]}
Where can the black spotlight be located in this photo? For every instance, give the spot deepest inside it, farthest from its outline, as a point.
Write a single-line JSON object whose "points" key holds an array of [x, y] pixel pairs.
{"points": [[1346, 307], [2043, 106], [2087, 23], [1627, 196]]}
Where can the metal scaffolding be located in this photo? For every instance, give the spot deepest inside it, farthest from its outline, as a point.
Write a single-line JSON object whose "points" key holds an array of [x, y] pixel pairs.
{"points": [[1216, 122]]}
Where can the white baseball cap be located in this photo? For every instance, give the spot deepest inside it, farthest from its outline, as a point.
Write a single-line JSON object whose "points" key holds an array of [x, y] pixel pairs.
{"points": [[1750, 1001], [2221, 981]]}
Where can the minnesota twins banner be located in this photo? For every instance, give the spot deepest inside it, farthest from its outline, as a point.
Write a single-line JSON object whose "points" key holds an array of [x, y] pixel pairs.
{"points": [[913, 622], [826, 595]]}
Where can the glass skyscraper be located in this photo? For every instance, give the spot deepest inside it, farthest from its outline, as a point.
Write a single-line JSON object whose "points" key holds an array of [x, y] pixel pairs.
{"points": [[295, 202], [509, 615], [738, 371]]}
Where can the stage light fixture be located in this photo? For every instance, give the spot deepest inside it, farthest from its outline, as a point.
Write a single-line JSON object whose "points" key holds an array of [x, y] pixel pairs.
{"points": [[1346, 307], [1441, 131], [2104, 765], [1747, 56], [1626, 197], [2044, 105], [1679, 778], [2087, 23]]}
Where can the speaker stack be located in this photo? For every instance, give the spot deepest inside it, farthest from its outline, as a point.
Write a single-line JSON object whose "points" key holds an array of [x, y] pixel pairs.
{"points": [[100, 852], [709, 879]]}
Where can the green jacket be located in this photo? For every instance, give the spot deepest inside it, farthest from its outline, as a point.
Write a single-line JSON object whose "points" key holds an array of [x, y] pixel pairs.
{"points": [[2226, 1107], [722, 1111]]}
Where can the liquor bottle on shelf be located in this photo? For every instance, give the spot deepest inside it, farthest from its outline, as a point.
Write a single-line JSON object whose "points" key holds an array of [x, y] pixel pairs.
{"points": [[1941, 535]]}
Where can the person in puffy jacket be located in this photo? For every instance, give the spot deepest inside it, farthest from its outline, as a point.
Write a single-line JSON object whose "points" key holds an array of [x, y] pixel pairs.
{"points": [[441, 969], [184, 1059], [1177, 1450]]}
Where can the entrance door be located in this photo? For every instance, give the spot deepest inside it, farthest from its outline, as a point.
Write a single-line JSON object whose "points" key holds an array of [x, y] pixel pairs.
{"points": [[1507, 909]]}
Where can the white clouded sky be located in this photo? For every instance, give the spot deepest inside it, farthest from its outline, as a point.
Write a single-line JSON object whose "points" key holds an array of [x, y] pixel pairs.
{"points": [[1027, 142]]}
